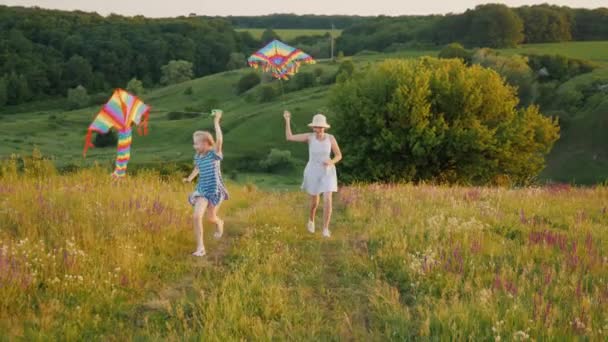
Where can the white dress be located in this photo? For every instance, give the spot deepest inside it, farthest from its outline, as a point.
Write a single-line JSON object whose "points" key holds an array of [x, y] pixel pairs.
{"points": [[319, 178]]}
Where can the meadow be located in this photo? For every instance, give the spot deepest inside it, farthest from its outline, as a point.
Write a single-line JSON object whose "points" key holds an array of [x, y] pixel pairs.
{"points": [[85, 257]]}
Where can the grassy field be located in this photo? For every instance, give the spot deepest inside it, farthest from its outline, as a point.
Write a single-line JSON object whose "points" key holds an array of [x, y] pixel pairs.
{"points": [[253, 128], [289, 34], [595, 51], [85, 258]]}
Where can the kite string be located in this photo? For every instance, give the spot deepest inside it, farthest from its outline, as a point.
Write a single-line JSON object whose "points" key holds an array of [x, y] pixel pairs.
{"points": [[283, 100]]}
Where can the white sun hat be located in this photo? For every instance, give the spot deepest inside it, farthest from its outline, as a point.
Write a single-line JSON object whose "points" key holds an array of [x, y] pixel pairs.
{"points": [[319, 120]]}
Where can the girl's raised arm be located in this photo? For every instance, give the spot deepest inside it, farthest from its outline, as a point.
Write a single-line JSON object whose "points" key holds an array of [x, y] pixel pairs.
{"points": [[219, 137], [288, 134]]}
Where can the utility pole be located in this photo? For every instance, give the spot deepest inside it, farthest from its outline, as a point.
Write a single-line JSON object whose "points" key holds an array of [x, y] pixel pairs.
{"points": [[332, 41]]}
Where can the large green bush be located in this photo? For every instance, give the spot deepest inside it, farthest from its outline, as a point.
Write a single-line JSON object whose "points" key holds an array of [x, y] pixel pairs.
{"points": [[176, 71], [277, 161], [78, 97], [455, 50], [514, 69], [135, 87], [268, 93], [431, 119]]}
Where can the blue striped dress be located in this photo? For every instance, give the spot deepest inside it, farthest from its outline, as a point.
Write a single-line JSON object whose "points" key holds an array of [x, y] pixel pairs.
{"points": [[210, 183]]}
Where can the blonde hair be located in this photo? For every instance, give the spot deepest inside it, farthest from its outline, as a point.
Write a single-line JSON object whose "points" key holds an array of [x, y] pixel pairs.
{"points": [[205, 136]]}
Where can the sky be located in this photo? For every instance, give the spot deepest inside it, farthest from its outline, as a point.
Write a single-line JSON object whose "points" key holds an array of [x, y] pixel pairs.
{"points": [[172, 8]]}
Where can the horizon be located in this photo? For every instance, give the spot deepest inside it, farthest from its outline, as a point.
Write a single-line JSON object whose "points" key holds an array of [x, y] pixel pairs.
{"points": [[229, 8]]}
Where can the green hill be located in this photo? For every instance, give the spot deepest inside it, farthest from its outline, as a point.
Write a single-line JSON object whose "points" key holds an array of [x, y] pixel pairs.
{"points": [[252, 128]]}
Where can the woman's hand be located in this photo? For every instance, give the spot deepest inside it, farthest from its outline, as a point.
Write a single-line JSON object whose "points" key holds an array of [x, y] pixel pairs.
{"points": [[287, 115], [328, 163], [186, 180]]}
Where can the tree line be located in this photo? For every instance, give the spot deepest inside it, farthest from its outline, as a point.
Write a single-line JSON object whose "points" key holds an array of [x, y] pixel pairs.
{"points": [[294, 21], [491, 25], [43, 53]]}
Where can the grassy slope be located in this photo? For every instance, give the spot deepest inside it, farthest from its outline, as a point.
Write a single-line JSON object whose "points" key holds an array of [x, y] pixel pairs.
{"points": [[595, 51], [252, 128], [83, 261]]}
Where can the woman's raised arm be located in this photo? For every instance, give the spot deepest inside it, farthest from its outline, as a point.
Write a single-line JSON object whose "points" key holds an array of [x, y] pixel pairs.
{"points": [[288, 134]]}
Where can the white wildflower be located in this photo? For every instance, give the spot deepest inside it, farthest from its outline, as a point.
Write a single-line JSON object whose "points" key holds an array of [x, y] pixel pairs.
{"points": [[521, 336]]}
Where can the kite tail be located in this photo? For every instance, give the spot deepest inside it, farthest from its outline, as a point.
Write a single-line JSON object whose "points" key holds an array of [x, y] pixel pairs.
{"points": [[123, 153], [88, 143]]}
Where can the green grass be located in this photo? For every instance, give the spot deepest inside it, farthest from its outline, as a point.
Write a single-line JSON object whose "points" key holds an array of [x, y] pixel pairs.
{"points": [[595, 51], [85, 258], [289, 34]]}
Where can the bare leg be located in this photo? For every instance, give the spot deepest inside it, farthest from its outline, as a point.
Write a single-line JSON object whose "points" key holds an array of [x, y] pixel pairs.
{"points": [[199, 211], [327, 209], [213, 218], [314, 204]]}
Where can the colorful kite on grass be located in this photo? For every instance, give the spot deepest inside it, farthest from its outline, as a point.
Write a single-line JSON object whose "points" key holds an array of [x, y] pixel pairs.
{"points": [[280, 59], [120, 112]]}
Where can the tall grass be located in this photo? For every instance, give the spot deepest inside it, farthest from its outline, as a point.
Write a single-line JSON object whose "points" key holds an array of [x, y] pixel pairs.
{"points": [[83, 257]]}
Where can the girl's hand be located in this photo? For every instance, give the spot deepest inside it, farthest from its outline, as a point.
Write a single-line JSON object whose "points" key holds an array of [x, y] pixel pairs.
{"points": [[186, 180], [328, 163], [287, 115], [218, 115]]}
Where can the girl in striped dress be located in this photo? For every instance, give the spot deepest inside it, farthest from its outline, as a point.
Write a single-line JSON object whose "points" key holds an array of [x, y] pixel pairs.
{"points": [[210, 190]]}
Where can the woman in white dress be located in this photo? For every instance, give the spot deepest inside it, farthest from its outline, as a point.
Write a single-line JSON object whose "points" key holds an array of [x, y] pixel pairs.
{"points": [[320, 172]]}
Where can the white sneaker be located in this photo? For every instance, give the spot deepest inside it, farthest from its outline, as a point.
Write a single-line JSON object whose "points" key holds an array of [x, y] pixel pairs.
{"points": [[326, 233], [200, 253], [311, 227], [220, 229]]}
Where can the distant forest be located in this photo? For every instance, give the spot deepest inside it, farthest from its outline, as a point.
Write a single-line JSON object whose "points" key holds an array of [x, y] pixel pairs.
{"points": [[294, 21], [493, 25], [44, 53]]}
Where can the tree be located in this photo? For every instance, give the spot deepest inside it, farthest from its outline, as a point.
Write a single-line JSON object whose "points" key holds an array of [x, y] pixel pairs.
{"points": [[431, 119], [77, 71], [176, 72], [78, 97], [543, 24], [514, 69], [17, 89], [135, 87], [248, 81], [495, 26], [455, 50], [269, 35], [237, 61], [590, 24], [277, 160]]}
